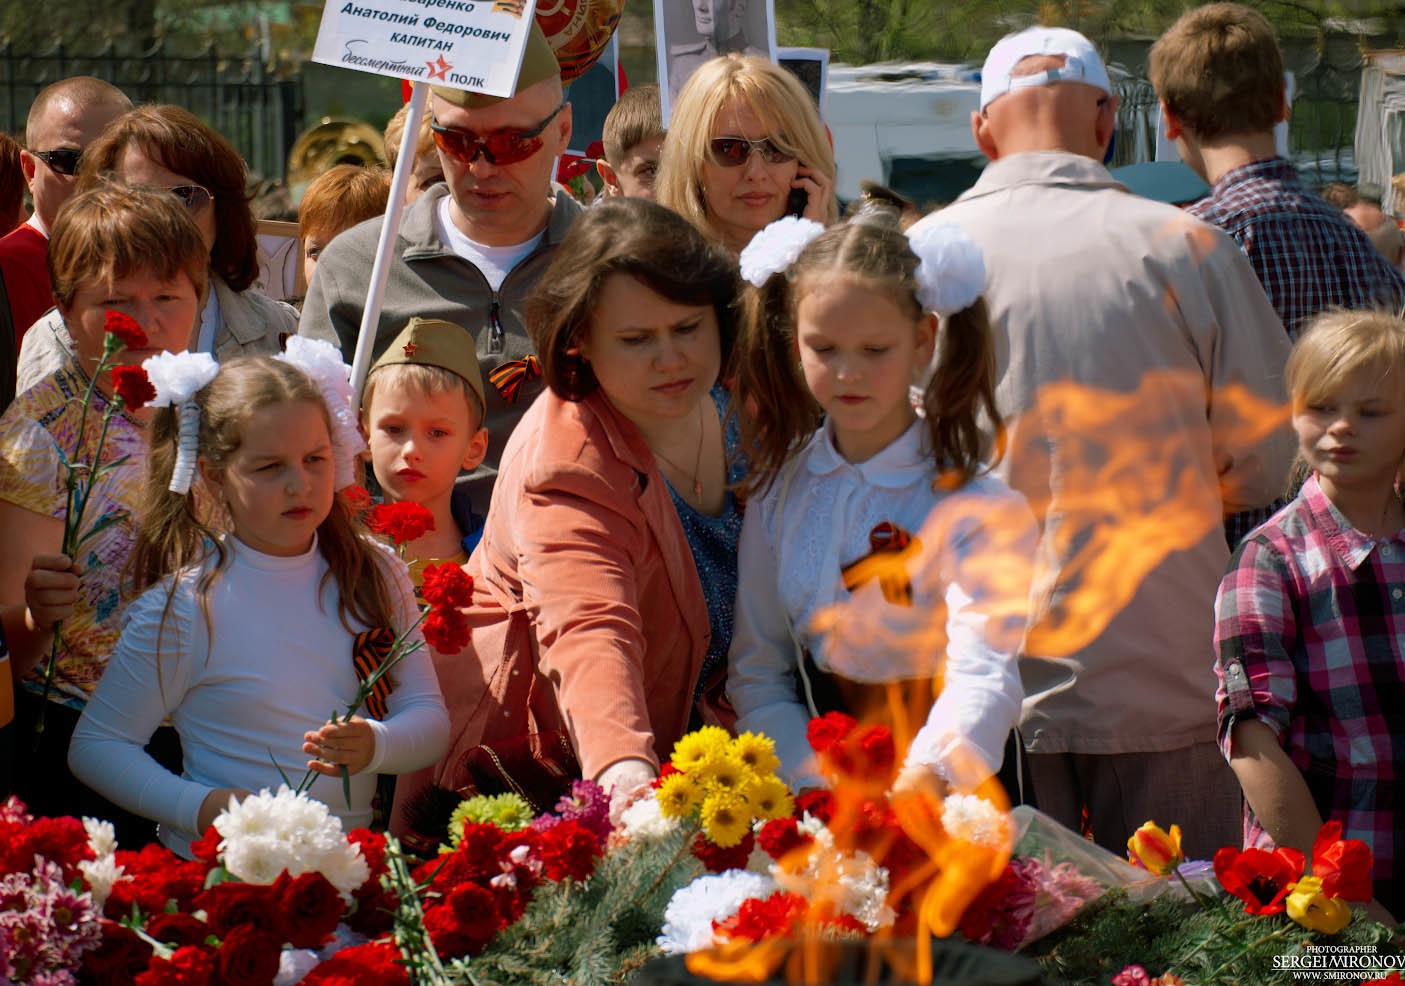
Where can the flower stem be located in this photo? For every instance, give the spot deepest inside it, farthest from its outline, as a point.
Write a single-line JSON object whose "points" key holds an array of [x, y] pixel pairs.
{"points": [[416, 946]]}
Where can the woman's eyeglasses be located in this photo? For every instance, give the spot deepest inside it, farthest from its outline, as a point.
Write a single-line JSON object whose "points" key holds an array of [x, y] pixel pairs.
{"points": [[193, 197], [502, 147], [63, 161], [733, 152]]}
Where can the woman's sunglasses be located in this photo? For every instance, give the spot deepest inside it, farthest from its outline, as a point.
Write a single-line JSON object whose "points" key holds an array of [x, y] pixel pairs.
{"points": [[193, 197], [502, 147], [733, 152], [63, 161]]}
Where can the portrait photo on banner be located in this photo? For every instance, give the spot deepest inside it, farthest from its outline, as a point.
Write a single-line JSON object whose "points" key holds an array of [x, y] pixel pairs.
{"points": [[591, 95], [689, 32]]}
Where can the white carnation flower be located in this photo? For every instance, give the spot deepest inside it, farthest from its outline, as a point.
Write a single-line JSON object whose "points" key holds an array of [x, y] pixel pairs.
{"points": [[102, 837], [643, 820], [687, 921], [102, 874], [267, 833], [972, 818]]}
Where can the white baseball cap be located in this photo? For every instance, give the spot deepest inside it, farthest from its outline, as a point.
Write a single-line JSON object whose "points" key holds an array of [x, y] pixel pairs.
{"points": [[1081, 62]]}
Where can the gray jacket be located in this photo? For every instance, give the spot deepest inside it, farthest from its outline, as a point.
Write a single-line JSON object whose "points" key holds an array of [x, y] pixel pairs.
{"points": [[428, 279]]}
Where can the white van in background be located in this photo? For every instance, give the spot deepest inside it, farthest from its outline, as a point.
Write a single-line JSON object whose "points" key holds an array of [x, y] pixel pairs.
{"points": [[906, 125]]}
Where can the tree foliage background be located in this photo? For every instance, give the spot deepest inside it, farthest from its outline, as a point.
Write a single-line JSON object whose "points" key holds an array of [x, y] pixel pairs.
{"points": [[856, 31]]}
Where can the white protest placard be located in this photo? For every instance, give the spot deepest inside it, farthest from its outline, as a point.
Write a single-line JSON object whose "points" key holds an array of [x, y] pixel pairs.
{"points": [[465, 44]]}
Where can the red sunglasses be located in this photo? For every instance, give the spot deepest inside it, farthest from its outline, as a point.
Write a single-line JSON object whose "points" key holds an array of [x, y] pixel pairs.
{"points": [[502, 147]]}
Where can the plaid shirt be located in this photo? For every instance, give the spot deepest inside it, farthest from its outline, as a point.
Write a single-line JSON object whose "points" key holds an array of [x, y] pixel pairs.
{"points": [[1310, 621], [1309, 256]]}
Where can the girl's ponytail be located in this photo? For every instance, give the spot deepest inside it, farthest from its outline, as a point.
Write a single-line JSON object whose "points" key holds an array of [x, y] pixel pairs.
{"points": [[775, 407], [963, 423]]}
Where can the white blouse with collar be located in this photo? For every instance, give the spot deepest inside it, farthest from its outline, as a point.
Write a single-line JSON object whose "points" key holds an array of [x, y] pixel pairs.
{"points": [[958, 601]]}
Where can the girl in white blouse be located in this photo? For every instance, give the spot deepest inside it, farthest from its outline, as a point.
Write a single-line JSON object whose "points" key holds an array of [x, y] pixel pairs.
{"points": [[245, 632], [874, 549]]}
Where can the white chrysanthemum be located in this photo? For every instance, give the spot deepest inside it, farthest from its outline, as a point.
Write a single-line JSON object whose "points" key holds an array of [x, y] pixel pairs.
{"points": [[951, 272], [813, 827], [102, 874], [322, 361], [177, 376], [972, 818], [102, 837], [267, 833], [643, 820], [776, 247], [849, 882], [294, 964], [687, 921]]}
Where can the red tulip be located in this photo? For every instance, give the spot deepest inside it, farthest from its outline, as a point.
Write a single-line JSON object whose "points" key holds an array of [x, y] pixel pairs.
{"points": [[1343, 865], [1258, 877]]}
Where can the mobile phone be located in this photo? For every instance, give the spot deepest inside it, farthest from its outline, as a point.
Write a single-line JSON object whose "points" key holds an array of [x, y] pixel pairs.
{"points": [[795, 202]]}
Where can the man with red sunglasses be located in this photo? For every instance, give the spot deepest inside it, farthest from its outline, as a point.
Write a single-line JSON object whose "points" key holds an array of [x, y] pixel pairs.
{"points": [[469, 250], [65, 118]]}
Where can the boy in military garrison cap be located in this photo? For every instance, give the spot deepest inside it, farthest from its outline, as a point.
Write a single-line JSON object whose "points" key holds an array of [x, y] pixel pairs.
{"points": [[422, 412]]}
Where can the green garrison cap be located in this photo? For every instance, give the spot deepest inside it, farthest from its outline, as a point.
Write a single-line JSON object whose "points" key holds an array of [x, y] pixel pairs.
{"points": [[538, 64], [434, 342]]}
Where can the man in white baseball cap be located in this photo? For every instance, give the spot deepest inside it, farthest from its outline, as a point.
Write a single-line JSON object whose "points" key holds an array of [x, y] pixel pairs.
{"points": [[1147, 317]]}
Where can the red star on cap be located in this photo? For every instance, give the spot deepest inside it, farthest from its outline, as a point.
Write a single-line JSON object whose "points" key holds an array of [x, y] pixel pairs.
{"points": [[410, 348]]}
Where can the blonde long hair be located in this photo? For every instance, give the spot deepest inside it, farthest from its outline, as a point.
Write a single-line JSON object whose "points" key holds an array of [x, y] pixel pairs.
{"points": [[178, 529], [779, 101]]}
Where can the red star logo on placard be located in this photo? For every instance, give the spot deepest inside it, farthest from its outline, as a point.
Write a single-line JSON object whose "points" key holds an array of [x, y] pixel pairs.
{"points": [[410, 348], [439, 69]]}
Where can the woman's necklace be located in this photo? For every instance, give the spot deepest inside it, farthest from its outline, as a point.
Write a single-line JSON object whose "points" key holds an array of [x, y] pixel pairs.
{"points": [[697, 463]]}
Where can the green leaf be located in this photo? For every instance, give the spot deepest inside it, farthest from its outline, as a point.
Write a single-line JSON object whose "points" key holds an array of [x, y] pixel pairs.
{"points": [[102, 525]]}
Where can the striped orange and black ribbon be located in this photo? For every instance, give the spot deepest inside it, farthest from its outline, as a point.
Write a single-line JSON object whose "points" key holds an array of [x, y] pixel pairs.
{"points": [[889, 548], [508, 379], [368, 653]]}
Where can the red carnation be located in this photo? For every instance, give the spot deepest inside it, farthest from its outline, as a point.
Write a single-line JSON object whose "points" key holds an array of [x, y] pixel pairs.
{"points": [[1343, 865], [133, 386], [357, 499], [758, 919], [247, 957], [121, 954], [665, 771], [177, 929], [476, 859], [781, 836], [719, 860], [59, 840], [372, 964], [454, 937], [189, 965], [445, 630], [568, 849], [311, 908], [125, 329], [207, 848], [447, 585], [372, 846], [817, 803], [1258, 877], [229, 906], [402, 522], [829, 729]]}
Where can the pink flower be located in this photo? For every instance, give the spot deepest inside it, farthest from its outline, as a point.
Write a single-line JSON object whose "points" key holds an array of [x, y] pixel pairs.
{"points": [[1132, 975]]}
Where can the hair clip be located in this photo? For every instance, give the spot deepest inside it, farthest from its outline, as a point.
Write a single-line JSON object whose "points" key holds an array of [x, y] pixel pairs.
{"points": [[178, 377], [322, 361], [951, 269], [775, 248]]}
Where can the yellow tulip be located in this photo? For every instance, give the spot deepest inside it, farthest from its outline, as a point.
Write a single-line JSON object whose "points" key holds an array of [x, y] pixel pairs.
{"points": [[1157, 851], [1314, 910]]}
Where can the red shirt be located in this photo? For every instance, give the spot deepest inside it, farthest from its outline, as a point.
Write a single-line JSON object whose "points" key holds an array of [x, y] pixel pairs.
{"points": [[24, 263]]}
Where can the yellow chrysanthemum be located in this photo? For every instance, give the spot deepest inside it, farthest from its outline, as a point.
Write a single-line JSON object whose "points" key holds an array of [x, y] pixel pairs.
{"points": [[769, 798], [679, 796], [699, 747], [725, 773], [725, 818], [756, 751]]}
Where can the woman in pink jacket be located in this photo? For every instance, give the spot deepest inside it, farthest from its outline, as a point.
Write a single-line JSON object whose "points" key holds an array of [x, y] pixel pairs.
{"points": [[613, 495]]}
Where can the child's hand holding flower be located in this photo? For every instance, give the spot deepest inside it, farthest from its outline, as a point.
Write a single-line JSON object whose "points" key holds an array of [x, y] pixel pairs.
{"points": [[348, 743], [50, 590]]}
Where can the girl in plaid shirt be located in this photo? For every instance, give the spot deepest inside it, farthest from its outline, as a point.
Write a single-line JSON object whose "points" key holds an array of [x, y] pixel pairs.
{"points": [[1310, 616]]}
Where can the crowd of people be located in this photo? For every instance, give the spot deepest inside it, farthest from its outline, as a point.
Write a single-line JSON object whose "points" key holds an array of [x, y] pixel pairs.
{"points": [[1017, 476]]}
